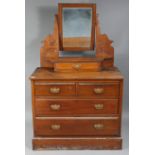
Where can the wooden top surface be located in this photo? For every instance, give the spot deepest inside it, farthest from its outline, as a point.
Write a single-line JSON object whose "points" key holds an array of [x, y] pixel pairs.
{"points": [[48, 74]]}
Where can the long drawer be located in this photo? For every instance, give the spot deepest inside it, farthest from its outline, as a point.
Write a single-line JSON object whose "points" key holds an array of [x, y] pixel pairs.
{"points": [[72, 107], [77, 126]]}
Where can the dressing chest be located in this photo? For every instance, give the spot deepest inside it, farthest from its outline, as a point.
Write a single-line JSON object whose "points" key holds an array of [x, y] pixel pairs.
{"points": [[77, 100]]}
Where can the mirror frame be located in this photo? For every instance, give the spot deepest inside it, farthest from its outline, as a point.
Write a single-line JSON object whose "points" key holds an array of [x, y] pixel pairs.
{"points": [[60, 17]]}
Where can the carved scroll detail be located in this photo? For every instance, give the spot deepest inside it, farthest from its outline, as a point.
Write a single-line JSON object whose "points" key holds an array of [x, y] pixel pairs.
{"points": [[103, 45], [50, 49]]}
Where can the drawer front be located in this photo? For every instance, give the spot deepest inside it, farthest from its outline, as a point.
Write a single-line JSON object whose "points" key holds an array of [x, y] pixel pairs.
{"points": [[107, 90], [89, 66], [55, 89], [68, 107], [77, 127]]}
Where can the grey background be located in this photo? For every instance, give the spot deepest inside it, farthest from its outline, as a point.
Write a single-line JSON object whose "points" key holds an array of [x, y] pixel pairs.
{"points": [[114, 20]]}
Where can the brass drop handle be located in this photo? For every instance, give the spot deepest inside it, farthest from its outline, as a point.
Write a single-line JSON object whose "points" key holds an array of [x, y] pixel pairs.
{"points": [[77, 66], [55, 106], [98, 126], [98, 106], [55, 90], [98, 90], [55, 127]]}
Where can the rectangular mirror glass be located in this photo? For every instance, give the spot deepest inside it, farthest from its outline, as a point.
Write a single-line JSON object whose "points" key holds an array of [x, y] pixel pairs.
{"points": [[77, 24]]}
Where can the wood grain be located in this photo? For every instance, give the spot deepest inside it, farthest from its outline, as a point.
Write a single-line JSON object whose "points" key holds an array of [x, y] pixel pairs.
{"points": [[103, 47], [77, 127], [51, 46], [78, 108], [42, 73], [77, 67], [75, 107], [110, 90], [65, 89], [89, 143], [76, 42]]}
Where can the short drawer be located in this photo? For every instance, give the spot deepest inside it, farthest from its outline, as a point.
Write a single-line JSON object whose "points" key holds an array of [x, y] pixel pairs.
{"points": [[54, 89], [82, 66], [77, 127], [107, 90], [79, 107]]}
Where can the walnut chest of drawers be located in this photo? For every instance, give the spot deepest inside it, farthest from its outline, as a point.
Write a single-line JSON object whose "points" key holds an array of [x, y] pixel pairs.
{"points": [[80, 110]]}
